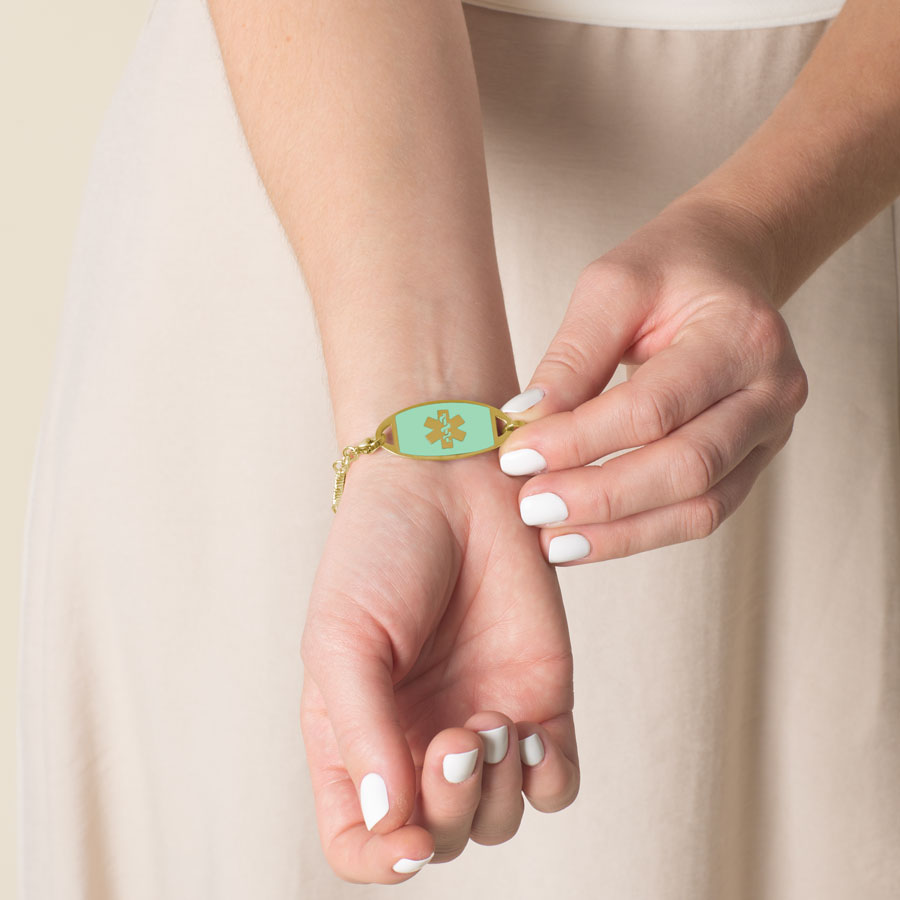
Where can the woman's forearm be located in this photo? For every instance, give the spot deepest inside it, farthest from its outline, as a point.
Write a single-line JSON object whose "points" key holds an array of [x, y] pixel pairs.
{"points": [[363, 119], [827, 160]]}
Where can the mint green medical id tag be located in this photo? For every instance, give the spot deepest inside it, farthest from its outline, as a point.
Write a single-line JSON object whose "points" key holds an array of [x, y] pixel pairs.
{"points": [[444, 429]]}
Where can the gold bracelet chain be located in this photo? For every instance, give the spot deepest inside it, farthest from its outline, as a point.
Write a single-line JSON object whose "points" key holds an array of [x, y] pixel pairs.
{"points": [[340, 466]]}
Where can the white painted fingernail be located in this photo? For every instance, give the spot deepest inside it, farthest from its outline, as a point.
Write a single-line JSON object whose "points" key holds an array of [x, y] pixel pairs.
{"points": [[408, 866], [459, 766], [523, 401], [566, 547], [531, 749], [542, 509], [522, 462], [496, 743], [373, 799]]}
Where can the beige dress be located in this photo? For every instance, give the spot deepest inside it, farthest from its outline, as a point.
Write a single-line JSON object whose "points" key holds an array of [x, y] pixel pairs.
{"points": [[737, 699]]}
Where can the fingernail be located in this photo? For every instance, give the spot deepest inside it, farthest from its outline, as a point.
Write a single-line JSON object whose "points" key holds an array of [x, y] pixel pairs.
{"points": [[373, 799], [408, 866], [522, 462], [567, 547], [496, 743], [523, 401], [542, 509], [531, 749], [459, 766]]}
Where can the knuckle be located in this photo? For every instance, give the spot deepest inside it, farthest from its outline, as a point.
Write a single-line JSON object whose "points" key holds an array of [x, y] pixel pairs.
{"points": [[797, 388], [338, 863], [697, 468], [766, 335], [566, 353], [563, 797], [785, 395], [625, 539], [499, 833], [447, 851], [602, 504], [784, 437], [578, 439], [653, 413], [770, 448], [629, 544], [706, 514]]}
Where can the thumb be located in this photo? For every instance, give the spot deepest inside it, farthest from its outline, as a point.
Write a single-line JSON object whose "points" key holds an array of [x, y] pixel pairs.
{"points": [[352, 666], [600, 324]]}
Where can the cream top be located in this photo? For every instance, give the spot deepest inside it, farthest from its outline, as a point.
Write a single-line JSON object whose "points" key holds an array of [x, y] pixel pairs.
{"points": [[674, 14]]}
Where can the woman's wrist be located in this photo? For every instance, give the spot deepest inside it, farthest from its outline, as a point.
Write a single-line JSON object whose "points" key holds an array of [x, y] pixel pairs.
{"points": [[827, 159], [752, 248], [454, 346]]}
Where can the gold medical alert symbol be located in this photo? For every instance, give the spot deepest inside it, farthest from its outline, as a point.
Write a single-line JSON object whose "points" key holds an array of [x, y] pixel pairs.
{"points": [[445, 429]]}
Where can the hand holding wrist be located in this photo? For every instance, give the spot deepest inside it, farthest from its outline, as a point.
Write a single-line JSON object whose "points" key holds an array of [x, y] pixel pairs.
{"points": [[685, 298]]}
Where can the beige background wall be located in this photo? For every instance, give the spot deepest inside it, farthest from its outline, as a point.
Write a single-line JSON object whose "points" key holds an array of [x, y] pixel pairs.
{"points": [[59, 64]]}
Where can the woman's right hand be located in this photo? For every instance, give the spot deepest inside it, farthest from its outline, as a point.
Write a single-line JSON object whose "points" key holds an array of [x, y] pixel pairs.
{"points": [[433, 617]]}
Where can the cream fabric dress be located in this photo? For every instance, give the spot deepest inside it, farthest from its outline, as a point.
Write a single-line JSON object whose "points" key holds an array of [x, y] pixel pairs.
{"points": [[690, 14], [737, 699]]}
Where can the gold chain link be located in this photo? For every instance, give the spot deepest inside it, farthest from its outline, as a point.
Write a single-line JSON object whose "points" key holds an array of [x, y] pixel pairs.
{"points": [[340, 466], [512, 425]]}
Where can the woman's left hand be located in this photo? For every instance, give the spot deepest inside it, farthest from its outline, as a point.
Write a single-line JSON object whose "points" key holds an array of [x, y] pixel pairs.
{"points": [[438, 686], [686, 298]]}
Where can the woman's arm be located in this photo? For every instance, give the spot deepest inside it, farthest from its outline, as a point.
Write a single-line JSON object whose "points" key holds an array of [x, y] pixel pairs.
{"points": [[827, 160], [692, 298], [364, 122]]}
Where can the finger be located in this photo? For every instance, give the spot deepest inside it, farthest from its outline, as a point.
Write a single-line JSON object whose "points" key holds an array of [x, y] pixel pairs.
{"points": [[359, 855], [353, 852], [451, 790], [668, 390], [685, 521], [501, 806], [350, 659], [601, 321], [550, 771], [686, 464]]}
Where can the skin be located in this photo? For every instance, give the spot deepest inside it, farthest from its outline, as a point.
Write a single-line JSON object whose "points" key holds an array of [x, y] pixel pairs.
{"points": [[711, 400], [420, 637], [434, 613], [715, 380], [391, 222]]}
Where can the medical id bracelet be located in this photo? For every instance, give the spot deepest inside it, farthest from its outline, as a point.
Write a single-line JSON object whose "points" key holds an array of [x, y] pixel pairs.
{"points": [[441, 429]]}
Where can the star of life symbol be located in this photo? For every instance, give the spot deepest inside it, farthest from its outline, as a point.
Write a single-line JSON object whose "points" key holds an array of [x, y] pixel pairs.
{"points": [[445, 429]]}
